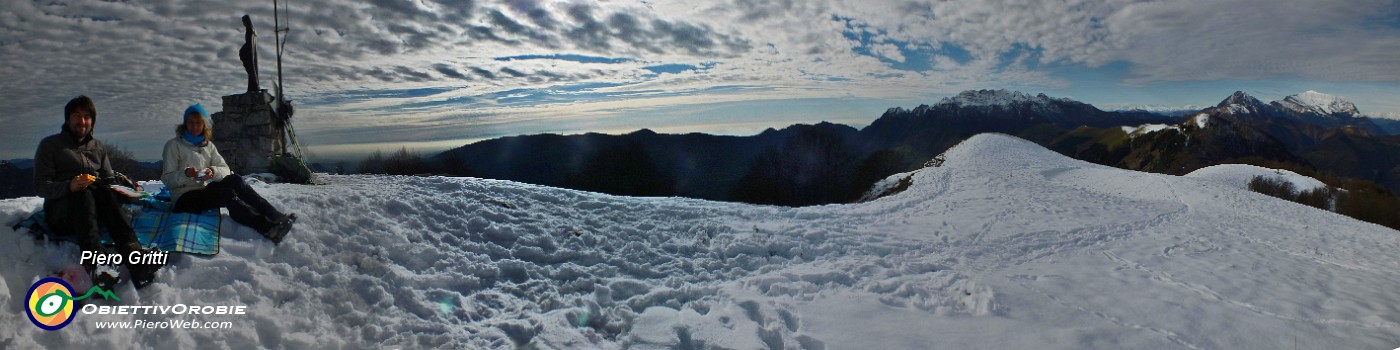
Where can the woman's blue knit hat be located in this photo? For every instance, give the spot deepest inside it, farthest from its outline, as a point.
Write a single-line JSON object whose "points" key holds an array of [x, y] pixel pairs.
{"points": [[196, 108]]}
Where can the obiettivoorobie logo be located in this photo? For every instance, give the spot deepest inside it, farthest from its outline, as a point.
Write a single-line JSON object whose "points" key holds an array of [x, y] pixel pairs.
{"points": [[50, 302]]}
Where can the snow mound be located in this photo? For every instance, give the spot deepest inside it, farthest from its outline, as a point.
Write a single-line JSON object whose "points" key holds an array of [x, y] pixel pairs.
{"points": [[1239, 175], [1004, 245]]}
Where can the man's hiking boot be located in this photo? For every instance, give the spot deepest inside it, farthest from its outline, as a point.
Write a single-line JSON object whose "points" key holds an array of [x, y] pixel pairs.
{"points": [[105, 277], [143, 275]]}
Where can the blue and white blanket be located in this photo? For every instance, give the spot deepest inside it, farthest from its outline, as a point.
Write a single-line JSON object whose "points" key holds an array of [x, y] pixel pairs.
{"points": [[155, 227]]}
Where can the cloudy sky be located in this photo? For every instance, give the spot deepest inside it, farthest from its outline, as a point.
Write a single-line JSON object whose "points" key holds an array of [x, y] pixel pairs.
{"points": [[432, 74]]}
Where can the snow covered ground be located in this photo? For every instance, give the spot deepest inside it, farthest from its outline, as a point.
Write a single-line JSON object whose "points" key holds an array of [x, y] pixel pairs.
{"points": [[1006, 245], [1148, 129], [1239, 176]]}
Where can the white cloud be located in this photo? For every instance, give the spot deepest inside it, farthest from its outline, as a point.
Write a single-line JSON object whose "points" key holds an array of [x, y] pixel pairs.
{"points": [[144, 61]]}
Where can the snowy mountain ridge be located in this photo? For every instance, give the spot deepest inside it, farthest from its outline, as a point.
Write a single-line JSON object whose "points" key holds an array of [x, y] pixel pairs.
{"points": [[1002, 98], [1319, 103], [1308, 102], [1005, 244], [1153, 108]]}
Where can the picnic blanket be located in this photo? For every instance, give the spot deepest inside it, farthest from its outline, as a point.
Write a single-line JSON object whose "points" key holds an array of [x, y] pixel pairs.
{"points": [[193, 233], [155, 227]]}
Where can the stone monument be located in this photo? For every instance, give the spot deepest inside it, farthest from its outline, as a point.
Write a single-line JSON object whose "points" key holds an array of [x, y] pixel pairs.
{"points": [[251, 134], [248, 132]]}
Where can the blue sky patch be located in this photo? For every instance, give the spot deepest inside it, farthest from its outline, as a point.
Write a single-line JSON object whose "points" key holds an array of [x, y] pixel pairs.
{"points": [[917, 58], [957, 53], [676, 68], [1032, 56]]}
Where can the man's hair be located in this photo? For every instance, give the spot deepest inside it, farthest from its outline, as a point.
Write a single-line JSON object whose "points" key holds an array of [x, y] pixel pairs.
{"points": [[82, 101]]}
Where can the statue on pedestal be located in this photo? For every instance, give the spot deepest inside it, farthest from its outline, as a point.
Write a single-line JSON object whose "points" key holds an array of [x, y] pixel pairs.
{"points": [[249, 54]]}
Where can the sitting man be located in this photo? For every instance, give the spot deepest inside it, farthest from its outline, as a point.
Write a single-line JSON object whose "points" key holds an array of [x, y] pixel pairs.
{"points": [[74, 176]]}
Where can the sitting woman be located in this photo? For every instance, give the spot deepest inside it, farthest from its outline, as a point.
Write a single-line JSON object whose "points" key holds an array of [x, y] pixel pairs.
{"points": [[200, 180]]}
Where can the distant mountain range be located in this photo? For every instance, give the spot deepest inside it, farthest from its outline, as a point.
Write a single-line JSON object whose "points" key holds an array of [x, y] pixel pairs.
{"points": [[831, 163], [16, 181], [1388, 126], [1309, 131], [17, 175], [1174, 111], [649, 164], [797, 165]]}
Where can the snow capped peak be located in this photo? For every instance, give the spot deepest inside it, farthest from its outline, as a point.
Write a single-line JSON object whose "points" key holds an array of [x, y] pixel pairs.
{"points": [[1239, 97], [1315, 98], [1320, 103], [1004, 99], [999, 97], [1241, 103]]}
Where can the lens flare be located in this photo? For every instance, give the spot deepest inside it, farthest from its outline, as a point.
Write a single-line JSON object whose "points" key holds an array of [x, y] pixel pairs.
{"points": [[583, 318], [447, 305]]}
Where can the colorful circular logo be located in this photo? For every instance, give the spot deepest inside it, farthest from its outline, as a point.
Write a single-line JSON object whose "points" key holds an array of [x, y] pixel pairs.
{"points": [[50, 303]]}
